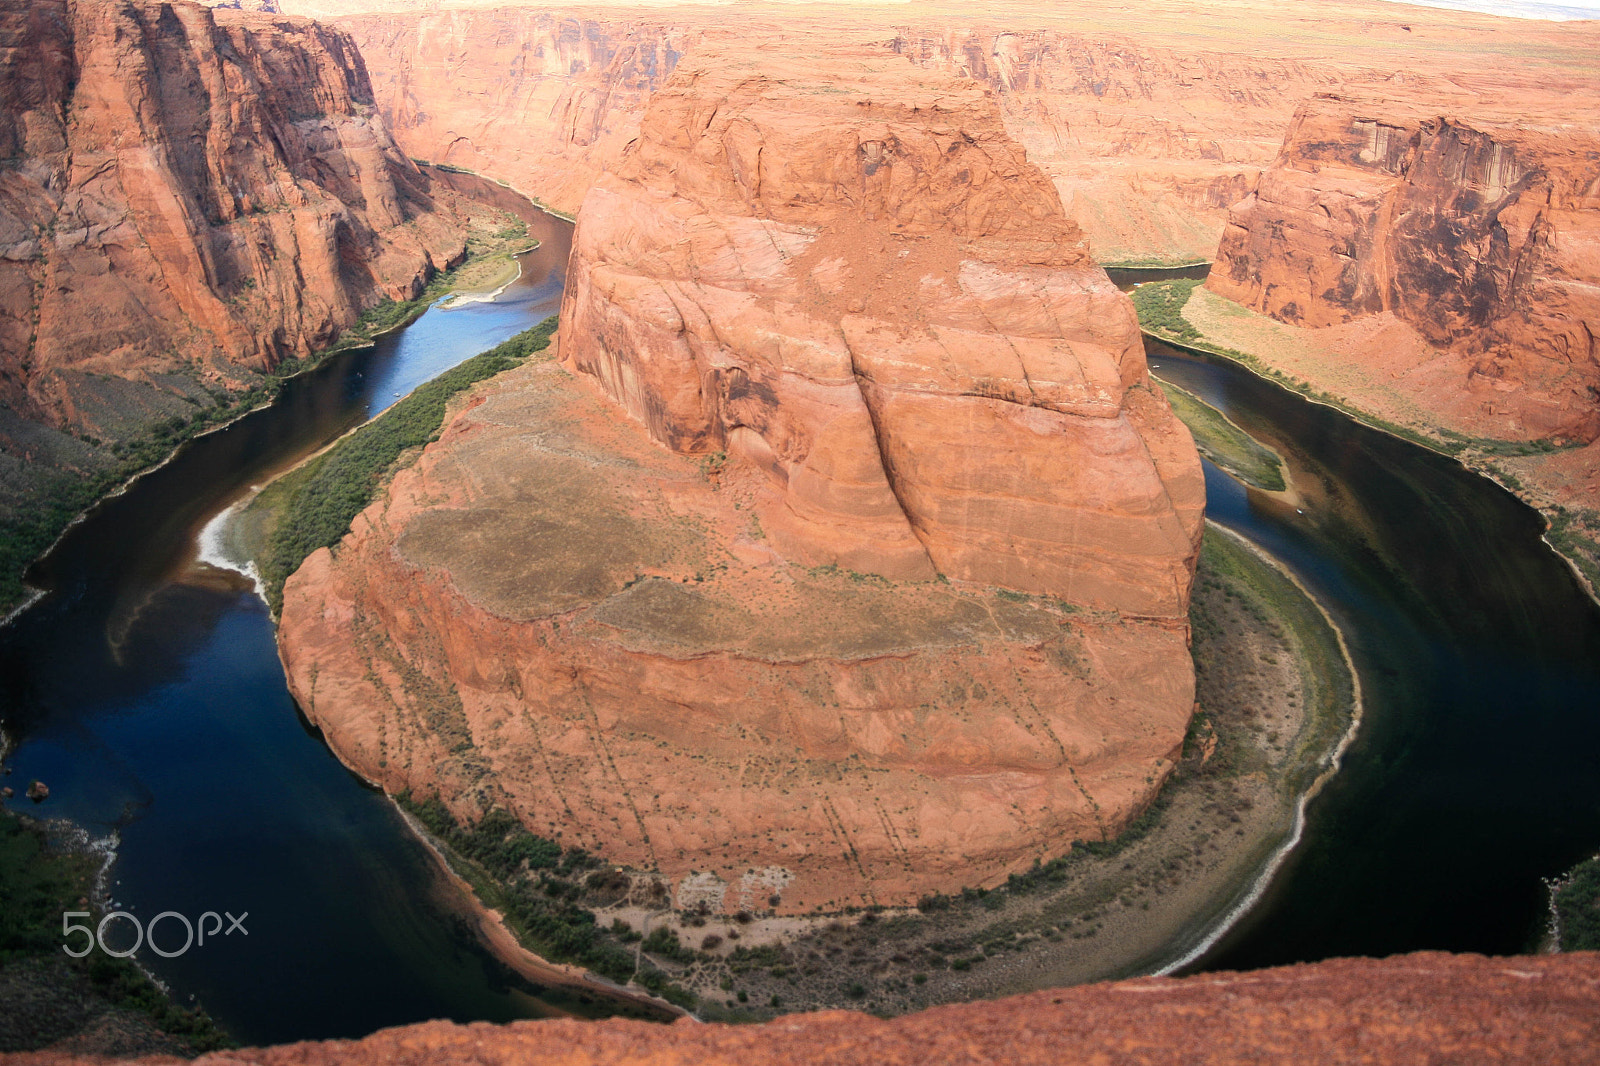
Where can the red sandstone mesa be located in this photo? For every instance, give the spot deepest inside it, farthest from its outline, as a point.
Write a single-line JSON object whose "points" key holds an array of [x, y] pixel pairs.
{"points": [[188, 193], [1542, 1011], [900, 605]]}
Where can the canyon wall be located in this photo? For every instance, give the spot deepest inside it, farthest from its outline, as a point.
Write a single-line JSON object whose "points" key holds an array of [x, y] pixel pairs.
{"points": [[1418, 1008], [541, 99], [1479, 230], [1150, 122], [1148, 146], [187, 198], [899, 608]]}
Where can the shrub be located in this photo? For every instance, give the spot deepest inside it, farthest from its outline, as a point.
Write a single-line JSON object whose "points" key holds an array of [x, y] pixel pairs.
{"points": [[1578, 907], [330, 490], [1159, 305]]}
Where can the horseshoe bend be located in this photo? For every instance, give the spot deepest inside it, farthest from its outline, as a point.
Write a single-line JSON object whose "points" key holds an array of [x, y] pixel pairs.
{"points": [[842, 553], [907, 524]]}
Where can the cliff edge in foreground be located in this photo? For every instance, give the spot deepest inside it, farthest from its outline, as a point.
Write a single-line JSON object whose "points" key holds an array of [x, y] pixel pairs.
{"points": [[1425, 1008]]}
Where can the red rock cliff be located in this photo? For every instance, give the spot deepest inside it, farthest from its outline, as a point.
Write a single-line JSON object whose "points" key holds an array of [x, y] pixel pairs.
{"points": [[857, 282], [185, 191], [1150, 121], [1480, 230]]}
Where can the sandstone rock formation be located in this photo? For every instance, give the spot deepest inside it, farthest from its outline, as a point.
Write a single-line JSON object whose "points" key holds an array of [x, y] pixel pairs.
{"points": [[900, 607], [1407, 1009], [874, 297], [1479, 230], [188, 195], [1150, 120]]}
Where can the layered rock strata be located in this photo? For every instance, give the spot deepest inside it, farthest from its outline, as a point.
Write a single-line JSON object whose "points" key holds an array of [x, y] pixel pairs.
{"points": [[1151, 122], [1480, 232], [875, 298], [188, 196], [900, 605], [1407, 1009]]}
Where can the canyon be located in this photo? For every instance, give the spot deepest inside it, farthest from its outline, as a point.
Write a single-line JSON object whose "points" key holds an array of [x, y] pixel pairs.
{"points": [[1432, 261], [1158, 124], [1406, 1009], [188, 199], [193, 196], [906, 588], [839, 552], [1150, 119]]}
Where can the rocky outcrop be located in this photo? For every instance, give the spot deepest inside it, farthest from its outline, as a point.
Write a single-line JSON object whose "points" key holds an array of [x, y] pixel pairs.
{"points": [[1479, 231], [1407, 1009], [905, 591], [188, 196], [866, 290]]}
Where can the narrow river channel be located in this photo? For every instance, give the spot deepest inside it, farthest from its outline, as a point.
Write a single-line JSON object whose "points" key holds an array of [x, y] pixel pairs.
{"points": [[1476, 771], [145, 690]]}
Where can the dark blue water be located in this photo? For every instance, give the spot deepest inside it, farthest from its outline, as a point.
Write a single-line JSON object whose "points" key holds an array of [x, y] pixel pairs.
{"points": [[145, 690], [1477, 768]]}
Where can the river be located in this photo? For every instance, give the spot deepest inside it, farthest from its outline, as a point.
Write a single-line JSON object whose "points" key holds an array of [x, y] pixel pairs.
{"points": [[1476, 771], [145, 689]]}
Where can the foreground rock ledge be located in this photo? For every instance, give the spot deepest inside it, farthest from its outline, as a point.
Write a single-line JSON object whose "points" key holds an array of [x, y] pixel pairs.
{"points": [[1424, 1008]]}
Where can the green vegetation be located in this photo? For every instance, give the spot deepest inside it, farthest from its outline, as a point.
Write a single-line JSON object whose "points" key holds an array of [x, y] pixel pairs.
{"points": [[1151, 263], [1569, 534], [1159, 305], [539, 887], [51, 502], [1224, 443], [1160, 308], [37, 885], [1578, 907], [321, 497]]}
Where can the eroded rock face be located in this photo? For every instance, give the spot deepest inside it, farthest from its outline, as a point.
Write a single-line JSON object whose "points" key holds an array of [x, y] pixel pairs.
{"points": [[542, 99], [1150, 122], [1482, 232], [770, 660], [1411, 1008], [187, 191], [845, 272]]}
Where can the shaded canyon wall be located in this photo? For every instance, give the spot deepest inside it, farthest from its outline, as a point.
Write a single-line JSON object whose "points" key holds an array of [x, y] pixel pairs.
{"points": [[1480, 231], [188, 197]]}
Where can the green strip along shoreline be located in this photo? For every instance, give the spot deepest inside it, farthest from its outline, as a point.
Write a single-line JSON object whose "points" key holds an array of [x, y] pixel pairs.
{"points": [[48, 511]]}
